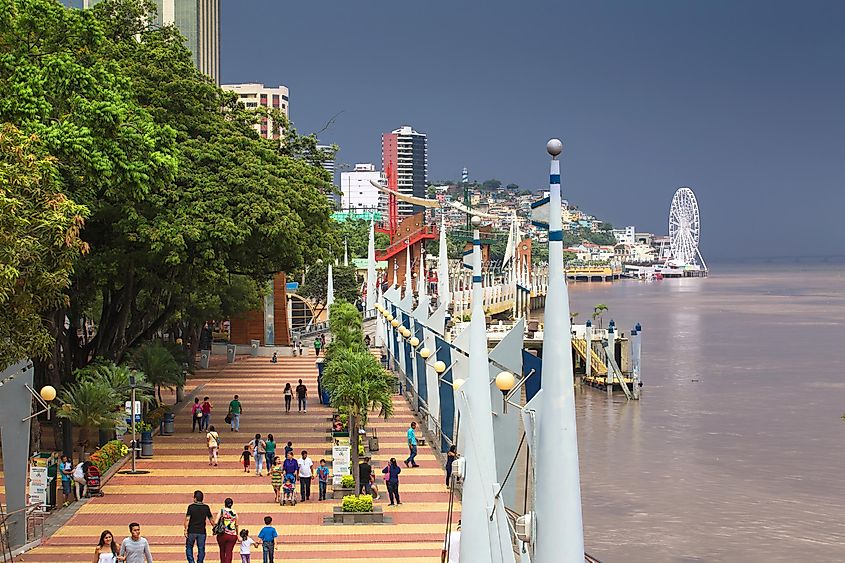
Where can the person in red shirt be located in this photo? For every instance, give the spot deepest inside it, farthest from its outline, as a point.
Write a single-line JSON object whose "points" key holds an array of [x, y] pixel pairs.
{"points": [[206, 413]]}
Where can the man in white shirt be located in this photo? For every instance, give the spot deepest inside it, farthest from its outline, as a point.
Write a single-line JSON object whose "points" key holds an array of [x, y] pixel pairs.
{"points": [[305, 476], [135, 548]]}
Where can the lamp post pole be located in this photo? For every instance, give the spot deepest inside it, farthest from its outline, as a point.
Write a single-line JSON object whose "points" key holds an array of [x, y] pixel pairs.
{"points": [[132, 417]]}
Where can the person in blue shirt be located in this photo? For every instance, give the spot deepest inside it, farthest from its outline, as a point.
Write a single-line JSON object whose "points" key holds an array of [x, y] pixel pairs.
{"points": [[391, 474], [268, 536], [412, 446]]}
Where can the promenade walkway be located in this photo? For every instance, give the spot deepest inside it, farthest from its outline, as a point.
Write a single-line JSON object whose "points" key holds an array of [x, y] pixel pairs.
{"points": [[157, 500]]}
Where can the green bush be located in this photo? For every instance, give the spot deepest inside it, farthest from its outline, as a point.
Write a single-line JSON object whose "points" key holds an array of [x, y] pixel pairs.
{"points": [[353, 503], [154, 417], [108, 455], [347, 481], [142, 427]]}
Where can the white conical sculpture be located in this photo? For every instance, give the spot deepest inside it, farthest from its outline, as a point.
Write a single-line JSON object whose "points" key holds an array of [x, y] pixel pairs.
{"points": [[482, 538], [329, 291], [559, 536], [421, 280], [345, 253], [371, 269], [408, 285], [443, 266]]}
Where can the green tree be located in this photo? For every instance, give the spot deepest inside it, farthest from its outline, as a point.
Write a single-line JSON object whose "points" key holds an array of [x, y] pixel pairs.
{"points": [[491, 185], [159, 367], [88, 404], [512, 188], [347, 287], [598, 313], [117, 378], [357, 383], [39, 244]]}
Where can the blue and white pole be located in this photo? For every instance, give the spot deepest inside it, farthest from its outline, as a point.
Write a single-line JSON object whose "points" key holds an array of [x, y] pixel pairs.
{"points": [[557, 487], [484, 528]]}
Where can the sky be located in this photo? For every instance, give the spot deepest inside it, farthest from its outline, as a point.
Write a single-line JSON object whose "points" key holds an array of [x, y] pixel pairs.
{"points": [[744, 101]]}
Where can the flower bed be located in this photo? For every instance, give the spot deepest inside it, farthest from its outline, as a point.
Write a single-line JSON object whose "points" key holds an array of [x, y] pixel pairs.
{"points": [[108, 455], [357, 509], [353, 503]]}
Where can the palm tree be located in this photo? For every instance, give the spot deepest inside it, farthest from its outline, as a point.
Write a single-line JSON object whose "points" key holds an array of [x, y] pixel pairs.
{"points": [[89, 403], [598, 311], [117, 377], [357, 383], [158, 366]]}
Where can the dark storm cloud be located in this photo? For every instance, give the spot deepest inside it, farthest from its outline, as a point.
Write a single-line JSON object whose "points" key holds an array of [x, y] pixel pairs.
{"points": [[740, 100]]}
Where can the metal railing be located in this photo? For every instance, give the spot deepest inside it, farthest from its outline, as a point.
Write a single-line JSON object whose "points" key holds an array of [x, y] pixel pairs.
{"points": [[34, 516]]}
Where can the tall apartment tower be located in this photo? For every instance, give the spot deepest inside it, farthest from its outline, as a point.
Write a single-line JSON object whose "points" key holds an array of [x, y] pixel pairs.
{"points": [[254, 95], [406, 151], [197, 20]]}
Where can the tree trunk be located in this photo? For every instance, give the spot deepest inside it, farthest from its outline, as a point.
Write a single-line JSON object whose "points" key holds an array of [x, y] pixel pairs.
{"points": [[83, 442], [353, 442]]}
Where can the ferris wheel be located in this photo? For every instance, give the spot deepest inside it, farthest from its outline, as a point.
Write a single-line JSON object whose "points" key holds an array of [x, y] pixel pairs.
{"points": [[684, 229]]}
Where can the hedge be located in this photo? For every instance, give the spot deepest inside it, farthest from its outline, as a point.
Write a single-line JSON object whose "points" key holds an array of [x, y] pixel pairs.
{"points": [[347, 482], [352, 503], [108, 455]]}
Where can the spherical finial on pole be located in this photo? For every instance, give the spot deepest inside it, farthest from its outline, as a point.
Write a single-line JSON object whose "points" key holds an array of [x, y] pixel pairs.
{"points": [[555, 147], [476, 221]]}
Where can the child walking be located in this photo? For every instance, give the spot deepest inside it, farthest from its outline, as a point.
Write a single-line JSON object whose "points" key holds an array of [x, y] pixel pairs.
{"points": [[245, 457], [247, 543], [277, 476], [322, 478], [268, 536]]}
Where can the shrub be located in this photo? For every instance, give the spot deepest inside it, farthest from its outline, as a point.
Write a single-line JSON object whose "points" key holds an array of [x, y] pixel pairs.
{"points": [[153, 417], [108, 455], [353, 503], [143, 427], [347, 481]]}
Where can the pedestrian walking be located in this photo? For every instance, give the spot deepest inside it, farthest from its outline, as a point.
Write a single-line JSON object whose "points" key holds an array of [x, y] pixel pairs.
{"points": [[212, 439], [106, 550], [290, 465], [247, 543], [258, 448], [275, 358], [317, 345], [391, 476], [229, 537], [196, 415], [288, 396], [365, 471], [450, 459], [269, 452], [277, 476], [197, 514], [268, 535], [299, 346], [206, 413], [245, 457], [301, 397], [305, 474], [235, 410], [367, 341], [135, 549], [322, 479], [412, 446], [322, 340], [288, 449], [66, 468]]}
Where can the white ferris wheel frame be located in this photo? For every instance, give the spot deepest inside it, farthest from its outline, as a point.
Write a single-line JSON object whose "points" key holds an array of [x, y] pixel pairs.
{"points": [[684, 228]]}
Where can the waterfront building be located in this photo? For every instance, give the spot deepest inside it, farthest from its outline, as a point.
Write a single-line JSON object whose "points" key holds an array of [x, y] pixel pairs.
{"points": [[357, 193], [406, 151], [197, 20], [254, 95], [626, 235]]}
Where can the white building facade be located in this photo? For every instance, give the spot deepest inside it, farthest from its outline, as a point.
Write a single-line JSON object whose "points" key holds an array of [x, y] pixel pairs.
{"points": [[254, 95], [357, 193]]}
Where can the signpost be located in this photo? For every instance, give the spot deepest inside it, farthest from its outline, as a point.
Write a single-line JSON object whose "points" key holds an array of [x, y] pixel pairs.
{"points": [[340, 463]]}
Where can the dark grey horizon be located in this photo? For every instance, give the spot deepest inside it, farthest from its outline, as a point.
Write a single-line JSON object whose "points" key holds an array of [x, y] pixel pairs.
{"points": [[739, 100]]}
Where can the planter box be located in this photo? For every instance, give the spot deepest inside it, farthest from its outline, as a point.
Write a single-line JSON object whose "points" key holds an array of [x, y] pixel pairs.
{"points": [[374, 517], [340, 492]]}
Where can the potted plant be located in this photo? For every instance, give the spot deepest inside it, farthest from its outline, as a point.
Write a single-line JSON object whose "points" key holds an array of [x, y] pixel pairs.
{"points": [[358, 509], [346, 487]]}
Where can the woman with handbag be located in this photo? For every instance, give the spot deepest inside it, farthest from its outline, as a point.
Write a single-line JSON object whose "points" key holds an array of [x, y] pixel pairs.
{"points": [[226, 530], [196, 415]]}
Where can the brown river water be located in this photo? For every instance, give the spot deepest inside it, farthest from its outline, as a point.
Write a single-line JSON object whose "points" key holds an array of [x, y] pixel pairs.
{"points": [[745, 463]]}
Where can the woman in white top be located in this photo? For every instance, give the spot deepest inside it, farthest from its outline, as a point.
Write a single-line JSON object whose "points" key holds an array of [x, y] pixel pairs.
{"points": [[213, 441], [106, 550]]}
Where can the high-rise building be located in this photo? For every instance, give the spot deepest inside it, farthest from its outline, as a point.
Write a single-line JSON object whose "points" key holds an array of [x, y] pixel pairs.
{"points": [[406, 152], [197, 20], [358, 195], [329, 165], [254, 95]]}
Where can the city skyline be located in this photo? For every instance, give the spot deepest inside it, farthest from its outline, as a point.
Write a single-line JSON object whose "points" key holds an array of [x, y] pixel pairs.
{"points": [[738, 101]]}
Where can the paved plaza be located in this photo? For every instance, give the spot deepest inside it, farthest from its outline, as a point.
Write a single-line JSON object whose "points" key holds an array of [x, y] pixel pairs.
{"points": [[157, 500]]}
